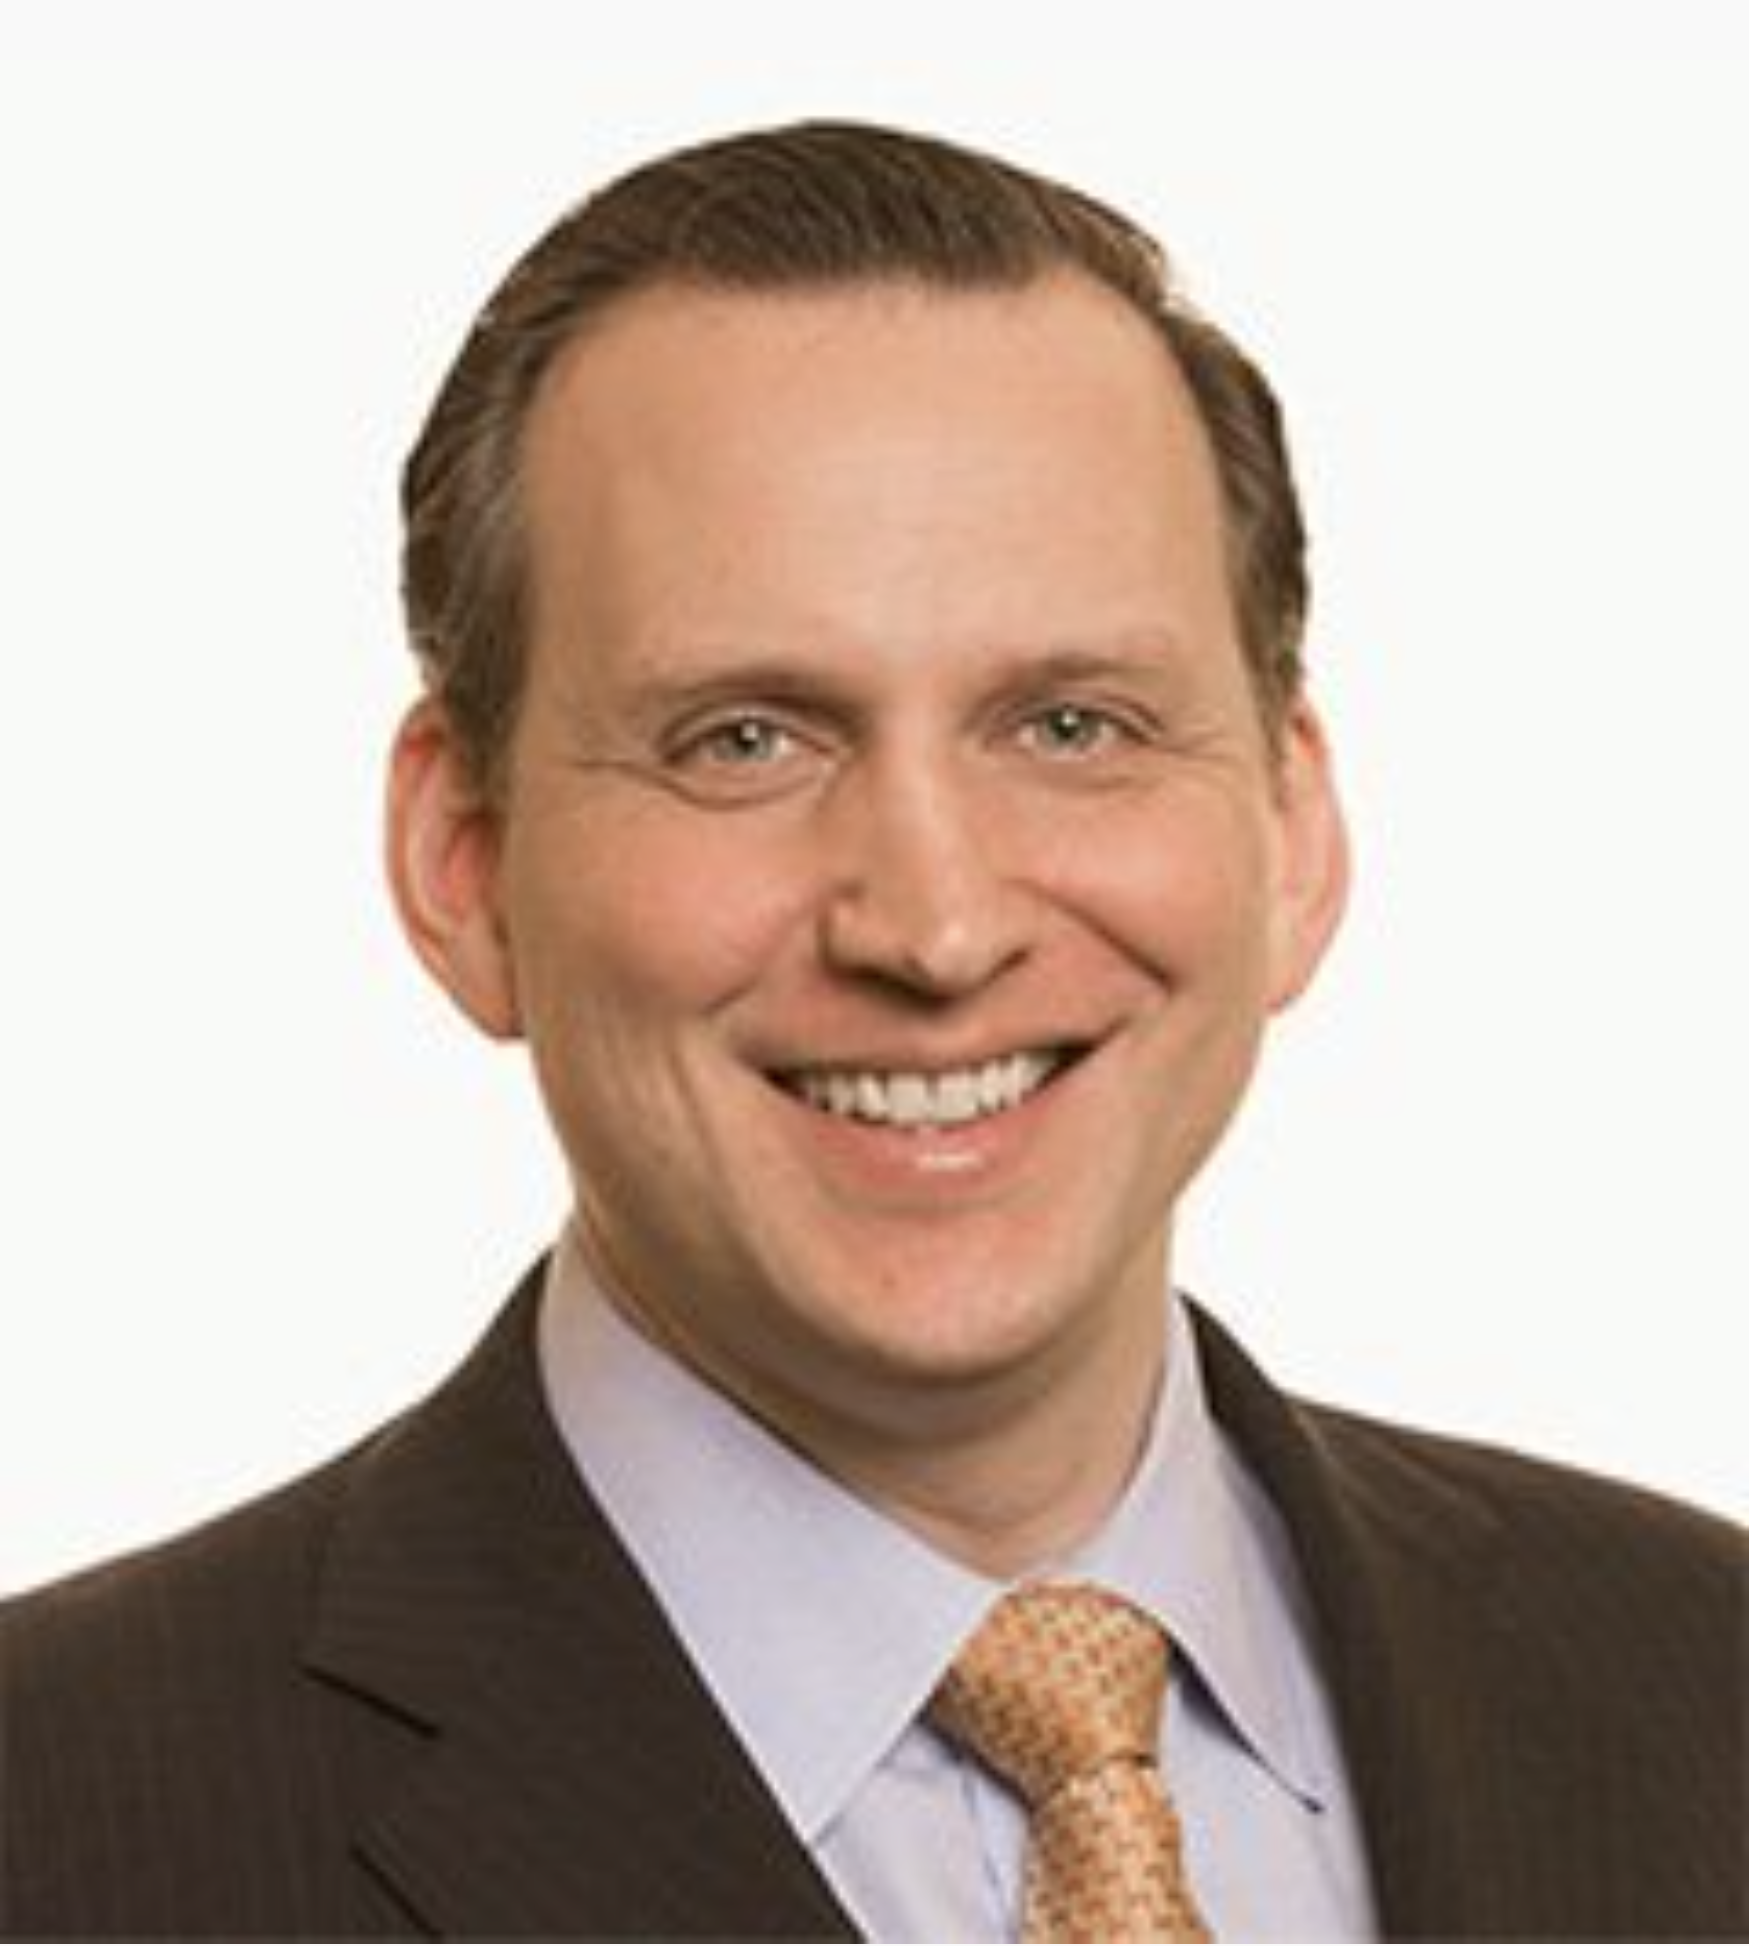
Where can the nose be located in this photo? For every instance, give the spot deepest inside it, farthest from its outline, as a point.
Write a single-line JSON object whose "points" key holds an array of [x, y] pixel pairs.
{"points": [[919, 900]]}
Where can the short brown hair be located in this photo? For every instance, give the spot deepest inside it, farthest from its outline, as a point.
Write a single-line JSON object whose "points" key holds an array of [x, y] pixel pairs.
{"points": [[815, 205]]}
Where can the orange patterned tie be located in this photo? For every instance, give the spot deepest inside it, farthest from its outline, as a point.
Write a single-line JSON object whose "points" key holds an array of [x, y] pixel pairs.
{"points": [[1060, 1694]]}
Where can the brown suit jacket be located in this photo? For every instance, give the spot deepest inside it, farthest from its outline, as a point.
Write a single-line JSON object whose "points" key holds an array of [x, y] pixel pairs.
{"points": [[423, 1694]]}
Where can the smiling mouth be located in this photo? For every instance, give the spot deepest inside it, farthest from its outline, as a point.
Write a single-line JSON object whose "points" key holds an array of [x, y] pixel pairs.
{"points": [[915, 1101]]}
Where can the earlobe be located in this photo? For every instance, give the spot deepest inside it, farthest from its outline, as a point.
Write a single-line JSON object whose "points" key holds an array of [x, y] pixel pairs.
{"points": [[1312, 891], [443, 842]]}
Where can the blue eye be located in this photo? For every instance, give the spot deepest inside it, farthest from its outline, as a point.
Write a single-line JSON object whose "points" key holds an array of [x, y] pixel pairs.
{"points": [[1071, 730], [744, 742], [742, 756]]}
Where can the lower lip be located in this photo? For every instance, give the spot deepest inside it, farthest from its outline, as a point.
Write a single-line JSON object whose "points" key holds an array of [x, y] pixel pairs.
{"points": [[937, 1167]]}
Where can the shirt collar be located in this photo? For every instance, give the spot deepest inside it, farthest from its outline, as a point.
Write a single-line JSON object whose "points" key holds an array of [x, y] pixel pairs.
{"points": [[821, 1626], [1196, 1543]]}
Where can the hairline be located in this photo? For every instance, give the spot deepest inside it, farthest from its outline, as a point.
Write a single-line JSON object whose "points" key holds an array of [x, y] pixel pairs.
{"points": [[680, 283]]}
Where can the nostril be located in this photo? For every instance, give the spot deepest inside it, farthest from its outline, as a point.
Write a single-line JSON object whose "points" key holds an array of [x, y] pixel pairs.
{"points": [[936, 951]]}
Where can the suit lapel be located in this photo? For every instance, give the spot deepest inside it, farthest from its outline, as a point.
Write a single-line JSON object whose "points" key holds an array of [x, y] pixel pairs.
{"points": [[573, 1778], [1460, 1782]]}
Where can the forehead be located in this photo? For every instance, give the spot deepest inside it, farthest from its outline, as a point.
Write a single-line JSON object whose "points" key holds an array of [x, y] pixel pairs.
{"points": [[689, 351], [889, 459]]}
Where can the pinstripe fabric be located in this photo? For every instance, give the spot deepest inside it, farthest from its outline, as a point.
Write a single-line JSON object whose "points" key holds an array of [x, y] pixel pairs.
{"points": [[1543, 1677], [423, 1694]]}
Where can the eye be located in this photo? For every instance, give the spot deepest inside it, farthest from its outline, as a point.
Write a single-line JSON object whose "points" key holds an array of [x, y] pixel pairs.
{"points": [[1068, 730], [742, 756], [744, 742]]}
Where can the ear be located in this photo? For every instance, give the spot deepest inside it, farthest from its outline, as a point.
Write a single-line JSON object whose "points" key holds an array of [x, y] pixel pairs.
{"points": [[1313, 873], [443, 852]]}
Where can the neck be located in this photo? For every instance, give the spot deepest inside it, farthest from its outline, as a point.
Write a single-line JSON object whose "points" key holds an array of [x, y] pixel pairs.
{"points": [[1005, 1470], [1013, 1473]]}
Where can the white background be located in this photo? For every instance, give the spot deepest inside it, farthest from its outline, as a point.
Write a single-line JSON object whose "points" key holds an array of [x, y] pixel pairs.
{"points": [[260, 1187]]}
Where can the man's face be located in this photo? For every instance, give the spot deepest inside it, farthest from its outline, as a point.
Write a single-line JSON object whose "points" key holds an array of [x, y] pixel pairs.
{"points": [[895, 879]]}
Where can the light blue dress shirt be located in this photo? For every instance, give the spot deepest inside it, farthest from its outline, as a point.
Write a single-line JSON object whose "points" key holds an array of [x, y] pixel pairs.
{"points": [[822, 1627]]}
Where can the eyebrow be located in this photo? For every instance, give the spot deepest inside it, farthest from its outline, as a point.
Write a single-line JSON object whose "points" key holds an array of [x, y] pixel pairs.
{"points": [[664, 696], [1136, 652], [661, 698]]}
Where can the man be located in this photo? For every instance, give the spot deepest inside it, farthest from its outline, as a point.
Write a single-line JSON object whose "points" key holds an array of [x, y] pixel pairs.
{"points": [[866, 755]]}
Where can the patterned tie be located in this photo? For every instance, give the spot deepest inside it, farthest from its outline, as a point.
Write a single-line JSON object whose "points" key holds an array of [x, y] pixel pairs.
{"points": [[1060, 1694]]}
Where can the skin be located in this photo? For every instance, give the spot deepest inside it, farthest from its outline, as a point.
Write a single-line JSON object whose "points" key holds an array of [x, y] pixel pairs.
{"points": [[886, 711]]}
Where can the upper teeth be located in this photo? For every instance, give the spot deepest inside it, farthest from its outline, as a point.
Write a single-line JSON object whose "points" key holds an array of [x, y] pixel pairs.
{"points": [[926, 1100]]}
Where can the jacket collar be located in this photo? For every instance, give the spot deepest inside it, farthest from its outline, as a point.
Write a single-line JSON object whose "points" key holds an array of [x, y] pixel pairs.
{"points": [[1422, 1647], [572, 1778]]}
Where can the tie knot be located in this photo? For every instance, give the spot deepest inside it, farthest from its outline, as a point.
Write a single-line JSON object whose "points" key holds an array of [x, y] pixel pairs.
{"points": [[1060, 1681]]}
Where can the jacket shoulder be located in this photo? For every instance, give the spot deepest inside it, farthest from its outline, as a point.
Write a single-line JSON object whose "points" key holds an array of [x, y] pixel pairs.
{"points": [[1568, 1525], [1591, 1634], [162, 1604], [155, 1718], [1539, 1672]]}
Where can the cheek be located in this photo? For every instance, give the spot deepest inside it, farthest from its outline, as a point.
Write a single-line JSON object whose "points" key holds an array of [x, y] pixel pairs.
{"points": [[1183, 896], [653, 921], [627, 952]]}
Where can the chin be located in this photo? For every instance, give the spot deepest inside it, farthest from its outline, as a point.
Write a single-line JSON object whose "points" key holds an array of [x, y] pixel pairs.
{"points": [[940, 1332]]}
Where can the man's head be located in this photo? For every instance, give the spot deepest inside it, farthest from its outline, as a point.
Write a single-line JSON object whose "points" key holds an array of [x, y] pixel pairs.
{"points": [[894, 837], [815, 207]]}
